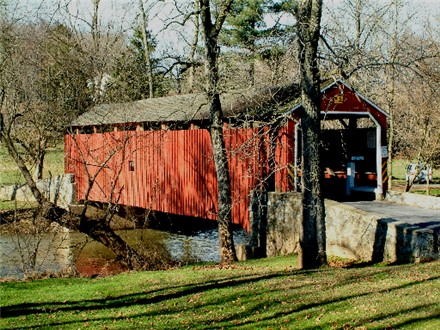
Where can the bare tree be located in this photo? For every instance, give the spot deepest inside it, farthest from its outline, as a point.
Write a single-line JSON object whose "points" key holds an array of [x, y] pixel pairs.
{"points": [[98, 228], [313, 240], [211, 30], [193, 48], [100, 40], [44, 65], [380, 47], [184, 20], [19, 105], [418, 134]]}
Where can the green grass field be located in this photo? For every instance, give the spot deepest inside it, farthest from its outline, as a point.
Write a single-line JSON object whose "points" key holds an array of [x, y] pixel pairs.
{"points": [[257, 294], [9, 173], [399, 170], [14, 205]]}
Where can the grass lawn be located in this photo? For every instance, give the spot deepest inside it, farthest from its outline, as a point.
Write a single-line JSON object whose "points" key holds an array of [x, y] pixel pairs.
{"points": [[257, 294], [9, 173], [399, 170], [13, 205], [432, 192]]}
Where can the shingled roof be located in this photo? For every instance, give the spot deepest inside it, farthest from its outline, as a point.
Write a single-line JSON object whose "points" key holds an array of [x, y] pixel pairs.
{"points": [[189, 107]]}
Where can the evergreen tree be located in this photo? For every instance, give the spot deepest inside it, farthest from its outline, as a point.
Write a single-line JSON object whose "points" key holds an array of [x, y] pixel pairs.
{"points": [[247, 32], [130, 78]]}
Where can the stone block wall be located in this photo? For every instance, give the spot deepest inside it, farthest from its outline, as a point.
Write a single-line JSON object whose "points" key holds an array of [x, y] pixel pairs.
{"points": [[59, 190], [351, 233], [283, 223]]}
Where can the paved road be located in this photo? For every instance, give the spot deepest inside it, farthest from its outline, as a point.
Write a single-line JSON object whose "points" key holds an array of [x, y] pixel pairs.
{"points": [[409, 214]]}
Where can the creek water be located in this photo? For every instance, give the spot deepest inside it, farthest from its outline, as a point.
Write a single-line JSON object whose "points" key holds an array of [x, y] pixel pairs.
{"points": [[58, 252]]}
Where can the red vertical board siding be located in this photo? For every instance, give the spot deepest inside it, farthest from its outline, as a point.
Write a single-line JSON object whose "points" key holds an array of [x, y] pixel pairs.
{"points": [[174, 171], [284, 155]]}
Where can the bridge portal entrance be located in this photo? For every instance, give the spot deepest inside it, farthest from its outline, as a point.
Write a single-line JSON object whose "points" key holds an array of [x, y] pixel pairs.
{"points": [[353, 144]]}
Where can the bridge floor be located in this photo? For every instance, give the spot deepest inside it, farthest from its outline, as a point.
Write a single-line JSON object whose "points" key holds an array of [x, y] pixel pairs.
{"points": [[406, 213]]}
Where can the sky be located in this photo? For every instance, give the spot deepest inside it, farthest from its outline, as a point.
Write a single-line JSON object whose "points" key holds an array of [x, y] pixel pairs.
{"points": [[121, 13], [113, 8]]}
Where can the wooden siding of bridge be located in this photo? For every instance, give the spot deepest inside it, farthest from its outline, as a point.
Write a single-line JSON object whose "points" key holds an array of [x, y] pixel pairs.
{"points": [[173, 171]]}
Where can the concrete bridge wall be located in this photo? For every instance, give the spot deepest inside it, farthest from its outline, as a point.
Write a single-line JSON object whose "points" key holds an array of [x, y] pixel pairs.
{"points": [[59, 189], [351, 233], [406, 198]]}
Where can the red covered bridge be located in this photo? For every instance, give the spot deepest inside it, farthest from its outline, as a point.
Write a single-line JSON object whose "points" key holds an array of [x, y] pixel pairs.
{"points": [[156, 153]]}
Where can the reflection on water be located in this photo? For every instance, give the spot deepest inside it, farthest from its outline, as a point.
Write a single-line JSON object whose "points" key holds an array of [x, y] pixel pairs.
{"points": [[55, 252], [204, 246], [27, 254]]}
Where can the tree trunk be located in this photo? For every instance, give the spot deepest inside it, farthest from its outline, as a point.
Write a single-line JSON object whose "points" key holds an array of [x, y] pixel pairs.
{"points": [[210, 33], [95, 25], [194, 44], [147, 55], [38, 175], [313, 240], [392, 97], [227, 249]]}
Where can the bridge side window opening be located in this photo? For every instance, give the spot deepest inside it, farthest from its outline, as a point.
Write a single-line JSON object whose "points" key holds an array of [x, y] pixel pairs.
{"points": [[371, 139]]}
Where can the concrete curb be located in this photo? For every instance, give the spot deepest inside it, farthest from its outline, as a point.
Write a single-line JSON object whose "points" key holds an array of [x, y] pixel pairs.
{"points": [[429, 202]]}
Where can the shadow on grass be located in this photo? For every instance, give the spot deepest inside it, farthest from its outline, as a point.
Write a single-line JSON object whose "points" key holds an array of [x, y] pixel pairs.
{"points": [[150, 297], [348, 323], [402, 313], [240, 317], [418, 320], [309, 306]]}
